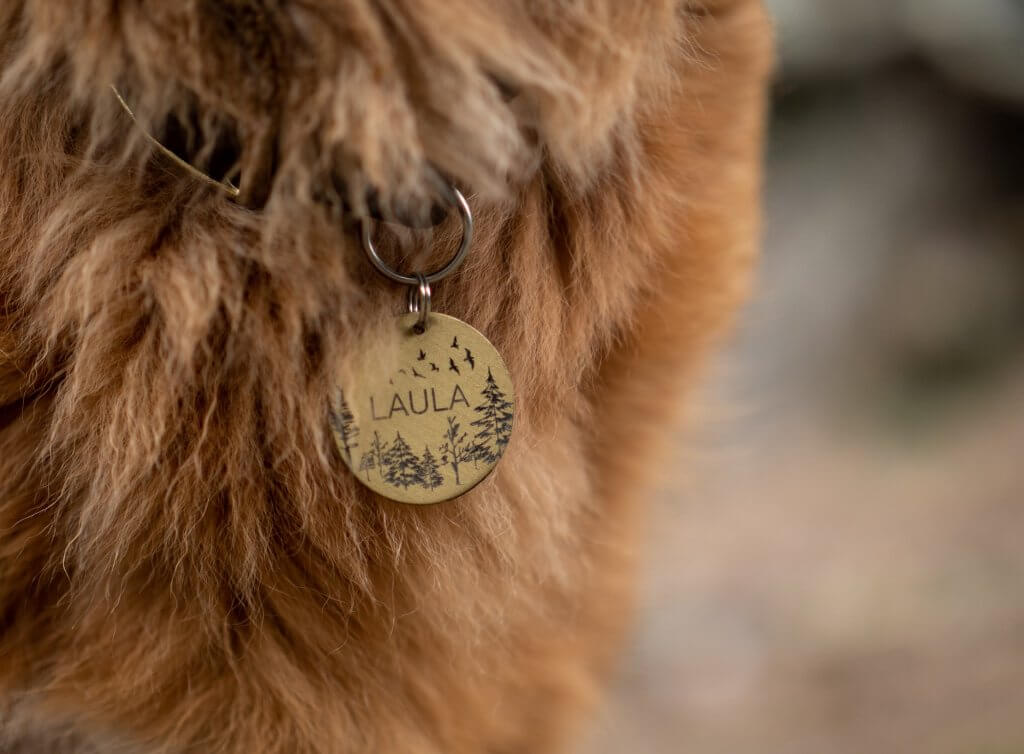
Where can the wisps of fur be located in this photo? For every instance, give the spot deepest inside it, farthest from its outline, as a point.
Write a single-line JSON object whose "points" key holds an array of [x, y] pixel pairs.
{"points": [[185, 565]]}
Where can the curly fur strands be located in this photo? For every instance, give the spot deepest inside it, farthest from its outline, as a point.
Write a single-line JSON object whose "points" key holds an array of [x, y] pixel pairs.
{"points": [[185, 565]]}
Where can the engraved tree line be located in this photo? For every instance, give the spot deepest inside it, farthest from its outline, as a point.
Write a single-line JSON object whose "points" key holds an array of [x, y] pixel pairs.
{"points": [[495, 423], [374, 455], [343, 421], [401, 466], [454, 450], [430, 474], [396, 463]]}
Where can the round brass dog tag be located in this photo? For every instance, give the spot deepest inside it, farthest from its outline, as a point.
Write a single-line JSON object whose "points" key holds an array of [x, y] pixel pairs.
{"points": [[429, 420]]}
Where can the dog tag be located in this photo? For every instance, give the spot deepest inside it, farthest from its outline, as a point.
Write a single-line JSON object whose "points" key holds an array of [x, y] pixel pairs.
{"points": [[428, 420]]}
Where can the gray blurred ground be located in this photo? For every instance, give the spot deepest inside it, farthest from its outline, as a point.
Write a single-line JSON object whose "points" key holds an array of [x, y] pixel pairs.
{"points": [[839, 566]]}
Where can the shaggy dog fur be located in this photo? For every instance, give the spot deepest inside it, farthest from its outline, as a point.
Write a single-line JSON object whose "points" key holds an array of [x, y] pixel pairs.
{"points": [[185, 563]]}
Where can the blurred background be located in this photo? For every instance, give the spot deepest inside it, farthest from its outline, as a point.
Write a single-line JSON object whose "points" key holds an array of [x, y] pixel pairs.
{"points": [[841, 569]]}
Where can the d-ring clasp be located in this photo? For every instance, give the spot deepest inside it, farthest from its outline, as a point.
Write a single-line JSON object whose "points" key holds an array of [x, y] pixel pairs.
{"points": [[456, 198], [419, 302]]}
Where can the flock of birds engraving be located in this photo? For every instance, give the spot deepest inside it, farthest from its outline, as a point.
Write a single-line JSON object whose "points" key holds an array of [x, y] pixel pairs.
{"points": [[452, 365]]}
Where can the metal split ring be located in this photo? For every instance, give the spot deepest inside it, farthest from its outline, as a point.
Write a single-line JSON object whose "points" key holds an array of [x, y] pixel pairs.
{"points": [[456, 198], [419, 302]]}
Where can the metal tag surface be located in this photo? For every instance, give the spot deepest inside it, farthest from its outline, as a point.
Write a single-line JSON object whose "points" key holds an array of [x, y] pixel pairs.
{"points": [[428, 421]]}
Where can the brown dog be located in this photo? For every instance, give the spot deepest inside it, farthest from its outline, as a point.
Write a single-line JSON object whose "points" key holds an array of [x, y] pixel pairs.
{"points": [[185, 563]]}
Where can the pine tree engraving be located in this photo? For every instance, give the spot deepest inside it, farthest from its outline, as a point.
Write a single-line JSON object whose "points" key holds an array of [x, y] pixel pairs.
{"points": [[430, 475], [454, 450], [344, 423], [373, 458], [495, 422], [401, 466], [367, 463]]}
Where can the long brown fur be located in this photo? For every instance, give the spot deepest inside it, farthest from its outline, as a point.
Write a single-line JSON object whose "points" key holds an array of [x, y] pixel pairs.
{"points": [[185, 563]]}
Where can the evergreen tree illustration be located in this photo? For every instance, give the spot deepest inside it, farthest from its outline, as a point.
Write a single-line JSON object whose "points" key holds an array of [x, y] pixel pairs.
{"points": [[454, 450], [477, 453], [403, 467], [367, 463], [344, 423], [430, 475], [374, 457], [495, 422], [385, 463]]}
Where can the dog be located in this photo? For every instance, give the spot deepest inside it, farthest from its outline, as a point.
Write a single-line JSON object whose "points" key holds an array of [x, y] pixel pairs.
{"points": [[186, 565]]}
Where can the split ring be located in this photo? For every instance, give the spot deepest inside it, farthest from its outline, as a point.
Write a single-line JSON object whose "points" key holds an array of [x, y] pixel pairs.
{"points": [[462, 206], [419, 302]]}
